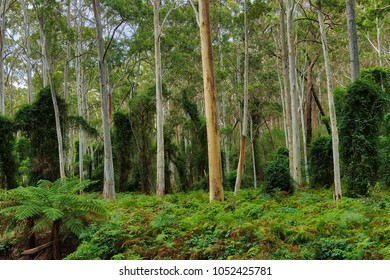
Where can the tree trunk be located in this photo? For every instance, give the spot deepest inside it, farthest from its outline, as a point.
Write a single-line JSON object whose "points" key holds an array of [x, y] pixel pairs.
{"points": [[42, 38], [353, 41], [66, 68], [224, 122], [79, 89], [28, 51], [294, 95], [253, 155], [286, 81], [244, 130], [160, 189], [215, 176], [2, 41], [332, 111], [109, 183], [309, 99], [50, 71]]}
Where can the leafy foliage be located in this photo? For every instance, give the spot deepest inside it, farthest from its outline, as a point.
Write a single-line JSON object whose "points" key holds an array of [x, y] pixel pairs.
{"points": [[49, 204], [252, 226], [360, 113], [37, 123], [8, 168], [321, 162], [277, 173]]}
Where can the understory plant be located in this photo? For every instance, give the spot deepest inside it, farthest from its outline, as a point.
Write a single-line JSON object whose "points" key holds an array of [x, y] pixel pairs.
{"points": [[56, 209]]}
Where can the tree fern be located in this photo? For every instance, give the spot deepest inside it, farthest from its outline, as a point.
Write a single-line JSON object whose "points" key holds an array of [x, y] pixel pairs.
{"points": [[51, 204]]}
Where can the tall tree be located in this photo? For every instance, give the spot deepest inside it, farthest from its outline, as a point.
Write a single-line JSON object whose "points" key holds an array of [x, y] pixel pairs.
{"points": [[26, 24], [353, 40], [42, 21], [286, 83], [109, 183], [215, 176], [3, 8], [332, 110], [293, 94], [244, 129], [160, 188]]}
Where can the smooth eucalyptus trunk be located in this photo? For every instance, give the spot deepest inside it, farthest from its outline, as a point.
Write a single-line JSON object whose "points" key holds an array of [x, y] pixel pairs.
{"points": [[2, 41], [296, 147], [286, 82], [160, 188], [50, 71], [109, 183], [215, 176], [28, 50], [353, 41], [79, 89], [332, 111], [244, 130]]}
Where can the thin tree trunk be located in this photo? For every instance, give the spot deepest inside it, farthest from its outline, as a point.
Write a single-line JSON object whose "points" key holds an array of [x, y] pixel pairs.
{"points": [[309, 99], [50, 71], [79, 89], [215, 176], [353, 41], [253, 155], [160, 189], [294, 95], [44, 61], [109, 183], [2, 41], [244, 130], [225, 139], [66, 68], [332, 111], [306, 166], [28, 51], [286, 81]]}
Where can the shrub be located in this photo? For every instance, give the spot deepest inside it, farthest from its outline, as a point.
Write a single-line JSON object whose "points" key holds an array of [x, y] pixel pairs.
{"points": [[8, 166], [321, 162], [277, 173], [360, 113]]}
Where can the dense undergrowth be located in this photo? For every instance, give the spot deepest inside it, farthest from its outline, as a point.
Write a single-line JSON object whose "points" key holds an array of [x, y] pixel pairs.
{"points": [[306, 225]]}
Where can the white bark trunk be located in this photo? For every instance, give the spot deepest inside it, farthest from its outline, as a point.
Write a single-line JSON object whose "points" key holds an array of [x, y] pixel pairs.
{"points": [[160, 188], [215, 176], [28, 50], [79, 89], [244, 131], [253, 155], [286, 83], [293, 94], [332, 111], [2, 41], [66, 68], [353, 41], [49, 70], [224, 122], [109, 183]]}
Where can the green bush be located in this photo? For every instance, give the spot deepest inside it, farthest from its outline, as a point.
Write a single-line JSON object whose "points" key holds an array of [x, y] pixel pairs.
{"points": [[360, 113], [277, 173], [321, 162], [8, 168]]}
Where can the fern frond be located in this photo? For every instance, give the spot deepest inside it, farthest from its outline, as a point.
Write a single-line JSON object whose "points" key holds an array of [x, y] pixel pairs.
{"points": [[76, 226], [25, 211], [41, 225], [53, 214]]}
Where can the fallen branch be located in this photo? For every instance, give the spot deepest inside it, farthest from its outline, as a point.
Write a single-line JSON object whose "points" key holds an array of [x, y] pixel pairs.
{"points": [[37, 249]]}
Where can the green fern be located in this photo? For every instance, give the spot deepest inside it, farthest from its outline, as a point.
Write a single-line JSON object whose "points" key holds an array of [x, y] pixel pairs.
{"points": [[50, 204]]}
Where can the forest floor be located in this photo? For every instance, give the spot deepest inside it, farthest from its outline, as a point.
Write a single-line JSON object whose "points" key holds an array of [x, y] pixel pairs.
{"points": [[254, 225]]}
